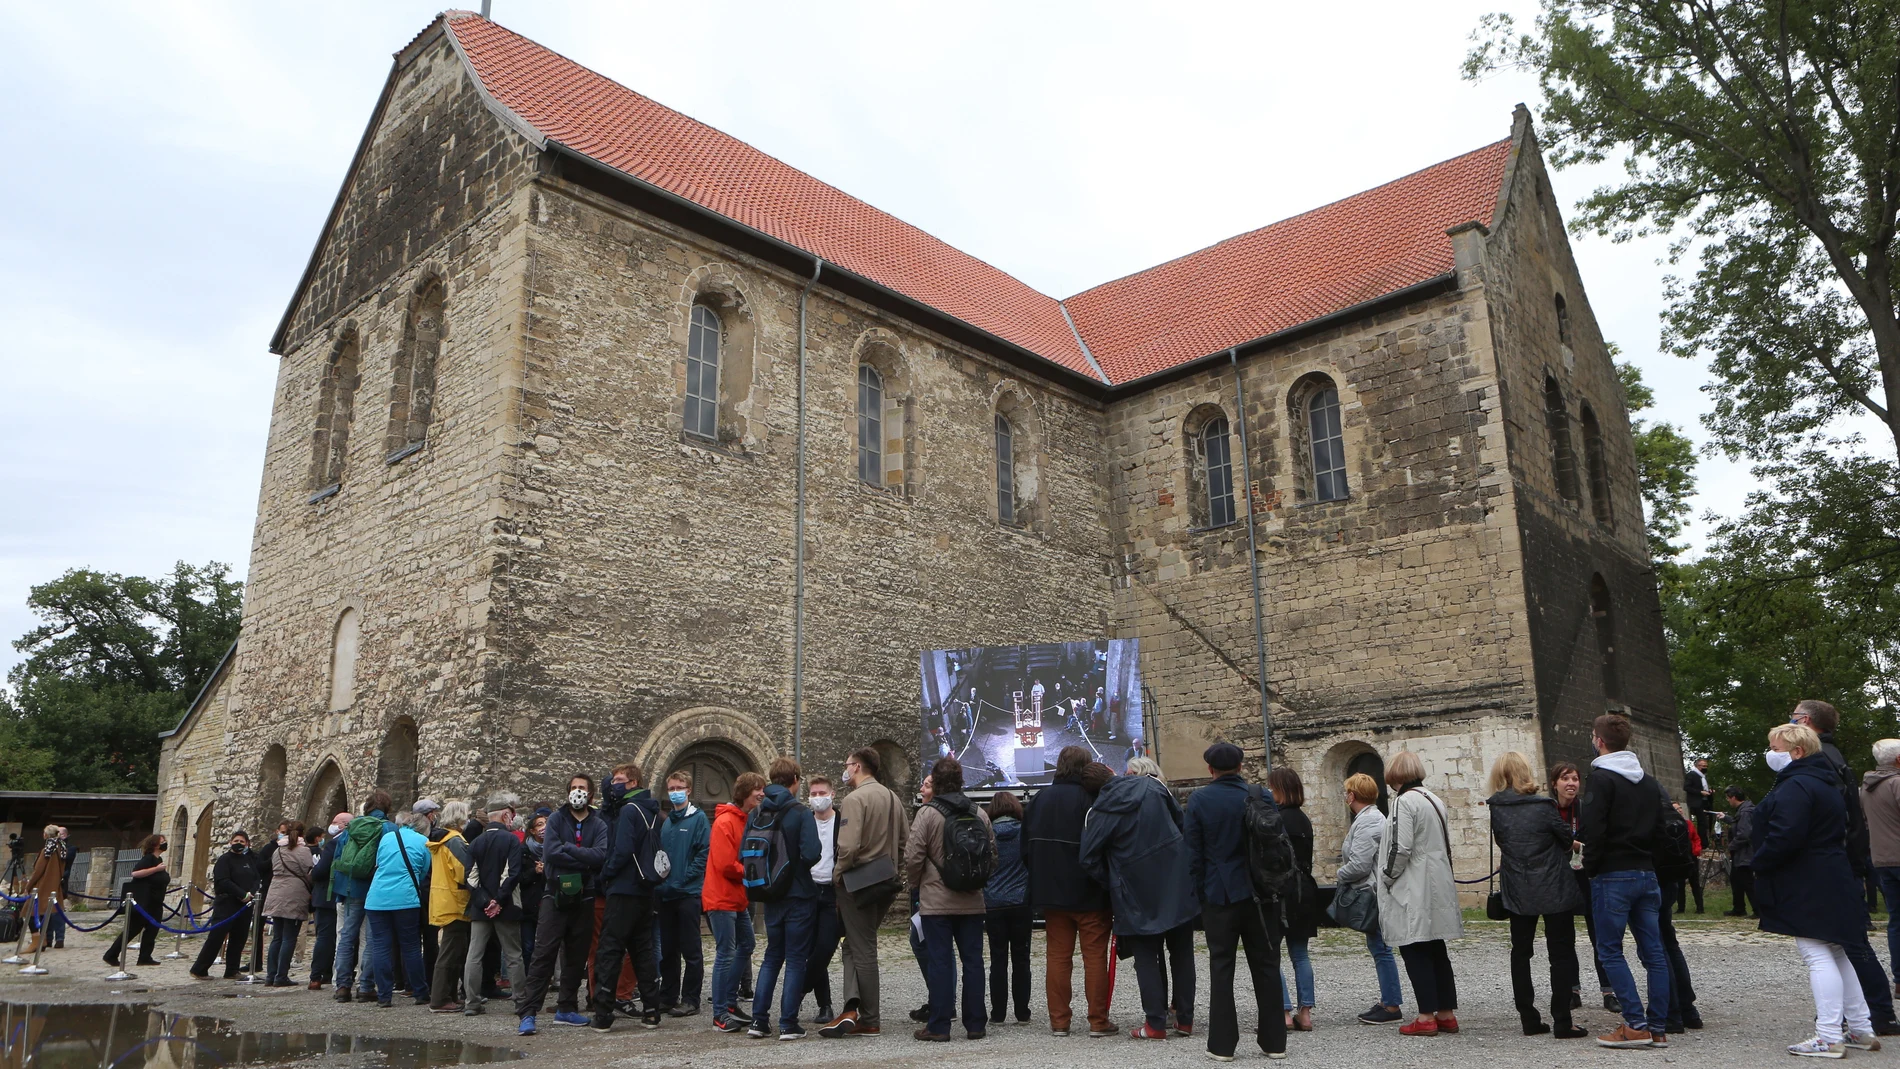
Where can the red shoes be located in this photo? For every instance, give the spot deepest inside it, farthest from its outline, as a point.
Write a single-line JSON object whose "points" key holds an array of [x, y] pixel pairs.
{"points": [[1446, 1025]]}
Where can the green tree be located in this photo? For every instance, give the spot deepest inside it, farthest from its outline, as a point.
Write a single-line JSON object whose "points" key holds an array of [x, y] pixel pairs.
{"points": [[115, 661], [1665, 467]]}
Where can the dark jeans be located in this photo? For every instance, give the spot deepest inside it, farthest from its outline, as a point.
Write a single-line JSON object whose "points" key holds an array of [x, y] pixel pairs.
{"points": [[1009, 928], [396, 934], [323, 951], [283, 946], [1684, 887], [790, 924], [1741, 881], [1152, 977], [1434, 987], [1681, 988], [1632, 900], [827, 931], [1560, 945], [450, 958], [230, 938], [1889, 880], [1229, 928], [951, 940], [626, 932], [567, 930], [682, 962], [1873, 979], [1590, 930]]}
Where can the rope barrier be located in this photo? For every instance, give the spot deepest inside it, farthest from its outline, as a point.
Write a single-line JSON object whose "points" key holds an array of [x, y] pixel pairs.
{"points": [[60, 911], [161, 926], [1480, 879]]}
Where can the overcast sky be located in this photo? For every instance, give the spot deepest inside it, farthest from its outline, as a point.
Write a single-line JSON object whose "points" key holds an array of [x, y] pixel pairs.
{"points": [[173, 163]]}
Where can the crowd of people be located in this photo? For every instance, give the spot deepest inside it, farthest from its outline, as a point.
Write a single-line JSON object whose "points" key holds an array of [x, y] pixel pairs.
{"points": [[608, 891]]}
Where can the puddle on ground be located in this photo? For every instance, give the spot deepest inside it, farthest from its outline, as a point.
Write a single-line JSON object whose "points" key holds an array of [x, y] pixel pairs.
{"points": [[136, 1037]]}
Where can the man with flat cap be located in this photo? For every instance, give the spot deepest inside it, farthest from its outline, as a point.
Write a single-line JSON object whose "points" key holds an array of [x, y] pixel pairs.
{"points": [[1217, 857]]}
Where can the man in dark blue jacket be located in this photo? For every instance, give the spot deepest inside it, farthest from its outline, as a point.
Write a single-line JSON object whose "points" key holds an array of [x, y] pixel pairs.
{"points": [[323, 904], [628, 882], [575, 846], [1217, 858], [498, 863], [791, 921]]}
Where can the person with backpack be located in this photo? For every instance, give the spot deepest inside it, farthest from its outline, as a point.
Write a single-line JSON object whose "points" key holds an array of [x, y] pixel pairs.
{"points": [[1621, 810], [635, 865], [780, 847], [687, 835], [1074, 906], [1418, 899], [1358, 868], [497, 868], [572, 850], [728, 910], [1682, 845], [393, 909], [350, 877], [868, 878], [1301, 910], [1808, 886], [1534, 882], [1132, 843], [950, 855], [1215, 827], [233, 893], [1010, 920], [447, 905]]}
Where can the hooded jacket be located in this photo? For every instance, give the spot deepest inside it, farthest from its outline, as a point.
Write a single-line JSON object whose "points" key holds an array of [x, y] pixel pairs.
{"points": [[499, 862], [687, 835], [724, 885], [800, 829], [1533, 845], [448, 878], [1133, 843], [1052, 830], [632, 815], [233, 876], [923, 860], [574, 846], [1621, 807], [1804, 883], [1880, 805], [1009, 884]]}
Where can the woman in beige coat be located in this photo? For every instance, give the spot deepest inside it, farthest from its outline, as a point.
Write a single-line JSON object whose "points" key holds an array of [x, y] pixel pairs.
{"points": [[1418, 901], [287, 902]]}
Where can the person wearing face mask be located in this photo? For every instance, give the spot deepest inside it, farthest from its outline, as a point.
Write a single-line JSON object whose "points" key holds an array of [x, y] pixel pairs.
{"points": [[687, 837], [1622, 809], [148, 892], [495, 902], [827, 930], [286, 902], [323, 903], [263, 858], [572, 851], [234, 883], [628, 879]]}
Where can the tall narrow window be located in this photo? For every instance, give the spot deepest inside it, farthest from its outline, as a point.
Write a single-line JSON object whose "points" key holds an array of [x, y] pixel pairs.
{"points": [[1005, 471], [1329, 445], [1599, 469], [870, 426], [412, 386], [1606, 637], [702, 373], [1563, 321], [1217, 471], [336, 407], [1563, 455], [343, 646]]}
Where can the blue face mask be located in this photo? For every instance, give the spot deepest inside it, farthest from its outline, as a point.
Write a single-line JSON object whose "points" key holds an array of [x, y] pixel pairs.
{"points": [[678, 798], [616, 791]]}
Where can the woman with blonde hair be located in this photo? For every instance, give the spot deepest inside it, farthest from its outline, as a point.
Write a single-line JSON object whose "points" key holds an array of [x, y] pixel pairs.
{"points": [[48, 871], [1808, 888], [1418, 901], [1358, 867], [1535, 880]]}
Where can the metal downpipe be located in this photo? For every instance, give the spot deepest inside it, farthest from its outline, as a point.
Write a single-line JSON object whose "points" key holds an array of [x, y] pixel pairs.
{"points": [[798, 553], [1253, 563]]}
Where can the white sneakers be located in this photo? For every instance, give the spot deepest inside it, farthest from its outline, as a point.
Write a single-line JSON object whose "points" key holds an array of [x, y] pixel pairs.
{"points": [[1816, 1047]]}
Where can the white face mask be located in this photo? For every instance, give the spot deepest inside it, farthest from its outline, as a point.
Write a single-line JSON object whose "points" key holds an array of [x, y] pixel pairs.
{"points": [[1778, 759], [283, 840], [577, 798], [335, 828], [821, 802]]}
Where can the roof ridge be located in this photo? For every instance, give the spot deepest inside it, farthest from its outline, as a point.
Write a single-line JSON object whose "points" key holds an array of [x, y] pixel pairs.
{"points": [[1094, 363]]}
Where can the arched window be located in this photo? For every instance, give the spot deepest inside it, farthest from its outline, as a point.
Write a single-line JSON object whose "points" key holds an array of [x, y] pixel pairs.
{"points": [[396, 764], [1599, 469], [870, 426], [702, 373], [327, 796], [1329, 445], [412, 391], [1563, 321], [1005, 470], [336, 407], [1563, 456], [1606, 637], [270, 788], [1210, 469], [343, 645]]}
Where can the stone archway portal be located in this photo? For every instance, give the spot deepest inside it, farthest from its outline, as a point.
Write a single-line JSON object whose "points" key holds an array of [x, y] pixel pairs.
{"points": [[714, 767]]}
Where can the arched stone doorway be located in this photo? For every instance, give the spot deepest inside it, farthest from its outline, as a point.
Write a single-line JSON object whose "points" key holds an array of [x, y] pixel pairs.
{"points": [[270, 789], [1371, 764], [326, 797], [201, 856], [714, 766], [715, 743], [396, 764]]}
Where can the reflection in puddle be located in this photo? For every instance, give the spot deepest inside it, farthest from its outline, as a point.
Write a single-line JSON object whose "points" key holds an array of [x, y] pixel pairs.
{"points": [[135, 1037]]}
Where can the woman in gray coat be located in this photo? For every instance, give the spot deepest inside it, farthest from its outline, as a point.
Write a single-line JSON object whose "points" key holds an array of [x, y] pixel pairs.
{"points": [[1418, 902], [1534, 877]]}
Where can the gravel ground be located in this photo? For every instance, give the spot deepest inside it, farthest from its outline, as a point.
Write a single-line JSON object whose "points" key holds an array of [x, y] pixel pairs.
{"points": [[1752, 987]]}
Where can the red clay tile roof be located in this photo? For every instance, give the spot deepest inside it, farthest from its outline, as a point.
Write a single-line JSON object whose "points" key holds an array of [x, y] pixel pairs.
{"points": [[1258, 283]]}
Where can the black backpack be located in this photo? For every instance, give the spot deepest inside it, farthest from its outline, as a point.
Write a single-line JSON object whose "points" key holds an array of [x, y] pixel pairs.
{"points": [[1271, 865], [649, 854], [969, 848], [1673, 854], [767, 858]]}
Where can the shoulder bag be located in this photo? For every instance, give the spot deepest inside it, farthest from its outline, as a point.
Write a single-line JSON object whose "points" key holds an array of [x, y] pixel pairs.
{"points": [[878, 876]]}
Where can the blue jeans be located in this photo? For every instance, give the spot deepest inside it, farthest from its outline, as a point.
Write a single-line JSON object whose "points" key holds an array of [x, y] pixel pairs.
{"points": [[392, 932], [1302, 975], [283, 943], [349, 929], [948, 941], [732, 938], [1388, 969], [1889, 879], [1632, 900], [790, 924]]}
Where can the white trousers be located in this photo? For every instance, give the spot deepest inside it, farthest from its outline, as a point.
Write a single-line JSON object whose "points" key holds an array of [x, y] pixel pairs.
{"points": [[1837, 991]]}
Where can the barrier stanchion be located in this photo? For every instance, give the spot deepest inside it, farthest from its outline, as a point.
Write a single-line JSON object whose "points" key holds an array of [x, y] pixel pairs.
{"points": [[39, 943], [125, 945]]}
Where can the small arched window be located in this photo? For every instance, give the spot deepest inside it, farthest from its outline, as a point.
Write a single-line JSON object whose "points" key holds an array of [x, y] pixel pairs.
{"points": [[270, 787], [1606, 637], [1005, 470], [1214, 463], [336, 407], [1328, 445], [343, 645], [1563, 455], [870, 426], [702, 373], [1563, 321], [412, 392], [1598, 468]]}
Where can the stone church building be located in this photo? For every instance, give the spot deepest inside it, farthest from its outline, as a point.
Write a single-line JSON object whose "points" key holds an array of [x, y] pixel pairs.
{"points": [[568, 372]]}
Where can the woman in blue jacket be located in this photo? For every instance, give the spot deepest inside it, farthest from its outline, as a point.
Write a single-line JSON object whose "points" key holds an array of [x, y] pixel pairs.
{"points": [[393, 909], [1008, 914], [1806, 888]]}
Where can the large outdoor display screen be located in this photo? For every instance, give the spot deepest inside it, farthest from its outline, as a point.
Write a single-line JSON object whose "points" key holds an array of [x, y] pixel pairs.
{"points": [[1007, 711]]}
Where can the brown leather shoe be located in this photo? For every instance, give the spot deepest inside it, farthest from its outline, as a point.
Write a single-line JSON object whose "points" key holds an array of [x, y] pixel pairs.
{"points": [[867, 1030], [840, 1026], [315, 986], [925, 1035], [1626, 1037]]}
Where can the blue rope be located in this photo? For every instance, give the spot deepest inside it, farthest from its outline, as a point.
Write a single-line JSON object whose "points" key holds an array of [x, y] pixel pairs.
{"points": [[161, 926], [60, 911]]}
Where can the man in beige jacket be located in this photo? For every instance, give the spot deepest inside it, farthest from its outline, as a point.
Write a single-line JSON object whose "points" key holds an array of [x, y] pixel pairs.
{"points": [[871, 836]]}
